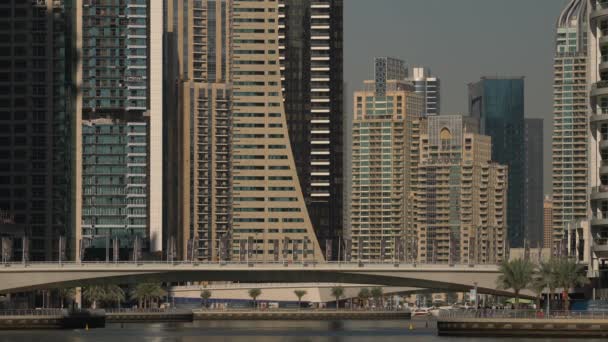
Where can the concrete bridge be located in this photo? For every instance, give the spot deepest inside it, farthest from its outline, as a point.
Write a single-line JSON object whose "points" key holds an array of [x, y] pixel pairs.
{"points": [[15, 277]]}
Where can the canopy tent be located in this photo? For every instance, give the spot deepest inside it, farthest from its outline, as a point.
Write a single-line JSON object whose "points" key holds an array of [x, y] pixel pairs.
{"points": [[521, 301]]}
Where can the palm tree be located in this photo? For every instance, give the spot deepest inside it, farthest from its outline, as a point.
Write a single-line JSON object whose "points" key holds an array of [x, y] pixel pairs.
{"points": [[299, 294], [113, 293], [66, 293], [547, 273], [146, 293], [93, 294], [205, 295], [537, 286], [337, 292], [515, 274], [254, 294], [363, 296], [377, 294], [570, 274]]}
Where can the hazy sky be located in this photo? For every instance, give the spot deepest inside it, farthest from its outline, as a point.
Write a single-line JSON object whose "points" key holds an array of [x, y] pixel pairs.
{"points": [[460, 40]]}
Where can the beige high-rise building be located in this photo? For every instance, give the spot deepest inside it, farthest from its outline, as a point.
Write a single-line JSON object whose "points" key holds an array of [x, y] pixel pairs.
{"points": [[200, 199], [237, 193], [460, 195], [381, 171], [571, 138]]}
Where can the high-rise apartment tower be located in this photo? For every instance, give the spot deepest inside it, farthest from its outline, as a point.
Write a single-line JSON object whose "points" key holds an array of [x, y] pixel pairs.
{"points": [[118, 126], [237, 191], [570, 138], [460, 194], [310, 55], [382, 165]]}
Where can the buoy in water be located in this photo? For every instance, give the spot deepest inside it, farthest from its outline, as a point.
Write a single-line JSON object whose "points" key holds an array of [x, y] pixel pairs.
{"points": [[411, 327], [86, 327]]}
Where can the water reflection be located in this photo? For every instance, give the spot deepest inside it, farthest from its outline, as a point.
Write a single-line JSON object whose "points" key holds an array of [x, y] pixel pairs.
{"points": [[251, 331]]}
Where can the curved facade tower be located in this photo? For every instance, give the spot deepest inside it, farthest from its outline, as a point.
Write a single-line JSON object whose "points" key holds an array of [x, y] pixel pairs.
{"points": [[598, 147], [570, 176], [236, 193]]}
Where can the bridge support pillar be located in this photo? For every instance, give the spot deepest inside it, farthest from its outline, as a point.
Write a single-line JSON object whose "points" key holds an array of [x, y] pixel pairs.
{"points": [[78, 297]]}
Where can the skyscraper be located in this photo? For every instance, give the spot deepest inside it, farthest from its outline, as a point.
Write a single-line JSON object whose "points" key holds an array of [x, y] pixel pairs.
{"points": [[460, 194], [498, 104], [570, 118], [310, 53], [35, 123], [238, 194], [533, 188], [118, 134], [381, 172], [199, 117], [429, 87]]}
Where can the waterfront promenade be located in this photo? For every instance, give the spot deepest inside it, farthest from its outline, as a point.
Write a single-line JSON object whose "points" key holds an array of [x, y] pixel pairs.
{"points": [[60, 318], [527, 323]]}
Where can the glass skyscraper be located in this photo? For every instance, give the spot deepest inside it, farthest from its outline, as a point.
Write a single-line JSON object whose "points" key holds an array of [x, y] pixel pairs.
{"points": [[119, 111], [35, 125], [498, 104], [533, 188], [428, 86], [310, 53]]}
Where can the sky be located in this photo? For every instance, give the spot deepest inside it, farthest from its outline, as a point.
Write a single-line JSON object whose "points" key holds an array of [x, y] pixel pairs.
{"points": [[460, 41]]}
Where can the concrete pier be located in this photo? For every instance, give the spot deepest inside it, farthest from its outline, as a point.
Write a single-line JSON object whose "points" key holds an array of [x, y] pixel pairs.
{"points": [[566, 324], [50, 319], [298, 315]]}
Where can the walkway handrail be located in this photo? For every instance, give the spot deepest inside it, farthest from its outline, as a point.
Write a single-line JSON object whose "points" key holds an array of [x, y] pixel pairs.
{"points": [[33, 312], [519, 314], [149, 310]]}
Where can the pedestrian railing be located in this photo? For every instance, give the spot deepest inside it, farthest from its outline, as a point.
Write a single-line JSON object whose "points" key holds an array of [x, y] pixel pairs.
{"points": [[520, 314], [143, 311], [33, 312]]}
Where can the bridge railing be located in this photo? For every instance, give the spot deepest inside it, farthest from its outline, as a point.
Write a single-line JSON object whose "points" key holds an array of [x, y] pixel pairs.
{"points": [[260, 263], [149, 310], [33, 312], [520, 314]]}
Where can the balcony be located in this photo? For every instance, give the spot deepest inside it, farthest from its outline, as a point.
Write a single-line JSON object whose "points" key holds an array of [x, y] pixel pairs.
{"points": [[599, 118], [599, 221], [603, 66], [601, 87], [604, 167], [599, 11], [599, 192], [603, 40], [600, 247]]}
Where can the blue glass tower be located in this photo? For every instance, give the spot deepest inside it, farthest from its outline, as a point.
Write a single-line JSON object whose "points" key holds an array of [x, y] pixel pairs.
{"points": [[498, 104]]}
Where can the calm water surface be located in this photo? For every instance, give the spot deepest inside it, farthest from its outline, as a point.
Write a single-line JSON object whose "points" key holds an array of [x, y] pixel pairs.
{"points": [[253, 331]]}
